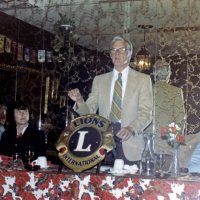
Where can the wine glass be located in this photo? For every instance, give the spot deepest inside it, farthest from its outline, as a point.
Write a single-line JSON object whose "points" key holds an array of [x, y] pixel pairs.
{"points": [[161, 161], [29, 153]]}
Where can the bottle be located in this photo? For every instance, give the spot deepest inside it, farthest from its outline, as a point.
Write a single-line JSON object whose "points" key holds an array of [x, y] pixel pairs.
{"points": [[148, 158]]}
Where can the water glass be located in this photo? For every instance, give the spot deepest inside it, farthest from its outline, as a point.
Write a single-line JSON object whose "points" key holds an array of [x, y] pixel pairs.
{"points": [[17, 161], [161, 161]]}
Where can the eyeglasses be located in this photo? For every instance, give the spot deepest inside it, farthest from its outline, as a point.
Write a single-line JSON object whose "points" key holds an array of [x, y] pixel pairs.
{"points": [[120, 51]]}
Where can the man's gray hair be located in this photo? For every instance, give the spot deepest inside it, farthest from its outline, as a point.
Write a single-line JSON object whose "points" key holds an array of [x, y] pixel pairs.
{"points": [[129, 45]]}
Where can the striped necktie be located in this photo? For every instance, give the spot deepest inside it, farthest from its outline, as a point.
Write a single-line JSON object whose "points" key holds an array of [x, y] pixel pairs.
{"points": [[116, 108]]}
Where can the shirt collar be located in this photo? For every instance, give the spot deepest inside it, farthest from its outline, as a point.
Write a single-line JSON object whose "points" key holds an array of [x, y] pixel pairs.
{"points": [[23, 130], [124, 73]]}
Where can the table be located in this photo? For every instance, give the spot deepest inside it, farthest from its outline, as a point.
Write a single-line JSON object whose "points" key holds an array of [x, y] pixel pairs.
{"points": [[49, 184]]}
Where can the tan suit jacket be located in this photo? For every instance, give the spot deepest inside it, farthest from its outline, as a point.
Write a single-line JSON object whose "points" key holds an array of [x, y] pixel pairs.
{"points": [[168, 108], [137, 107]]}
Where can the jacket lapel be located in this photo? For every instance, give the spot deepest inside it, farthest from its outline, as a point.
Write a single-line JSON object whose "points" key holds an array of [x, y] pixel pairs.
{"points": [[106, 84]]}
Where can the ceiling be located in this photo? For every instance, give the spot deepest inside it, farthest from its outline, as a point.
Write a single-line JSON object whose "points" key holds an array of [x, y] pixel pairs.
{"points": [[96, 21]]}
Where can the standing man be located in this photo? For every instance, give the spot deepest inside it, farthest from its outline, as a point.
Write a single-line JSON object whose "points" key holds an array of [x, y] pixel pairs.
{"points": [[123, 96], [168, 105]]}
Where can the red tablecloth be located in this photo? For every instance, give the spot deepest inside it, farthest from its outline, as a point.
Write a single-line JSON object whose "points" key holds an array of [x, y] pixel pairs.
{"points": [[16, 184]]}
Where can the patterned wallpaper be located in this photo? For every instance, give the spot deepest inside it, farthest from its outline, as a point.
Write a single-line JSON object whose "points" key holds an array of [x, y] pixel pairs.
{"points": [[174, 37]]}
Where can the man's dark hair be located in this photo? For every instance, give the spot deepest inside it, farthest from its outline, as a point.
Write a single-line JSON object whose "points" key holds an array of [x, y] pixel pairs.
{"points": [[20, 105]]}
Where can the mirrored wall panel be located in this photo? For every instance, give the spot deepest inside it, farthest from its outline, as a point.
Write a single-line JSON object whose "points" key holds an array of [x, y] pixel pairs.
{"points": [[48, 47]]}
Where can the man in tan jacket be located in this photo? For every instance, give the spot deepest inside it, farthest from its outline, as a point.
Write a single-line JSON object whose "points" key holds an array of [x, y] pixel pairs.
{"points": [[137, 99], [169, 107]]}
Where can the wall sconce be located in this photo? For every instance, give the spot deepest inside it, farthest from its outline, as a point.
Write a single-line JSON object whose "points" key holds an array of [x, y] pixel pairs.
{"points": [[142, 59]]}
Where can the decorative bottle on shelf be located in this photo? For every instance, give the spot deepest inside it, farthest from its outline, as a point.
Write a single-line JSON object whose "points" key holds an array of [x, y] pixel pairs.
{"points": [[148, 157]]}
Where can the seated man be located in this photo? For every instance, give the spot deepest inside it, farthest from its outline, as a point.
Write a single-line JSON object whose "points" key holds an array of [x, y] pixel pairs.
{"points": [[20, 134]]}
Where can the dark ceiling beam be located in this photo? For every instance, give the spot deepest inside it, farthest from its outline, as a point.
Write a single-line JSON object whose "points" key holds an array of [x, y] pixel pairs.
{"points": [[23, 32]]}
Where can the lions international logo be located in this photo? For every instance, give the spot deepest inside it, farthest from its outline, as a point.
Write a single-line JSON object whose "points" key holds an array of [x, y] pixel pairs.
{"points": [[85, 142]]}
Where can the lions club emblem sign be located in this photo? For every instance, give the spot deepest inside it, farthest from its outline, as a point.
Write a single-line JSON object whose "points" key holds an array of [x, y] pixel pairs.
{"points": [[85, 142]]}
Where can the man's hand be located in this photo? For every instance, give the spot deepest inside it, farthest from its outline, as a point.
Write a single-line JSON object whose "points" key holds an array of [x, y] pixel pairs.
{"points": [[125, 133], [76, 96]]}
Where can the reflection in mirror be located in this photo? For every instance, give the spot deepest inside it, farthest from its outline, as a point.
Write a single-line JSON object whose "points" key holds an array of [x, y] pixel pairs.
{"points": [[168, 105]]}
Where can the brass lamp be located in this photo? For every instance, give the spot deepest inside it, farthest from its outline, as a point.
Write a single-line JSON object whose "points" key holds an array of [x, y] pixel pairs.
{"points": [[142, 59]]}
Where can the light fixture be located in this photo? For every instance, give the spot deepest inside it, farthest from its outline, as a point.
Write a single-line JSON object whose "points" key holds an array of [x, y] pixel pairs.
{"points": [[142, 60]]}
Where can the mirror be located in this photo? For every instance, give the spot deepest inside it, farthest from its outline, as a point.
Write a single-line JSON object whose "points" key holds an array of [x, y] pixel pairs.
{"points": [[174, 36]]}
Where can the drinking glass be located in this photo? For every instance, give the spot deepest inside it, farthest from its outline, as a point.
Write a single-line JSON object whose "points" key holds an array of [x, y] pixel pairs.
{"points": [[161, 161], [29, 153], [16, 161]]}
